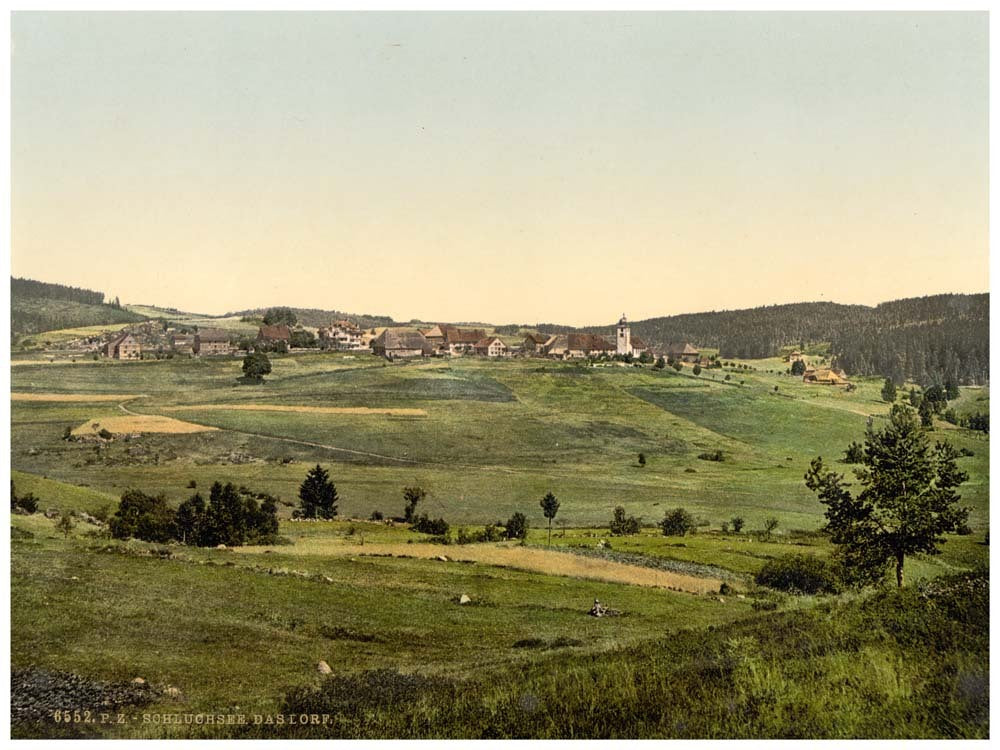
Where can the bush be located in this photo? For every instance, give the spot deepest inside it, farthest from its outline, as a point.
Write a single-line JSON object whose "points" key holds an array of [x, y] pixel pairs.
{"points": [[966, 452], [799, 574], [434, 527], [105, 434], [622, 526], [376, 516], [517, 526], [677, 522], [712, 456], [737, 523], [144, 517]]}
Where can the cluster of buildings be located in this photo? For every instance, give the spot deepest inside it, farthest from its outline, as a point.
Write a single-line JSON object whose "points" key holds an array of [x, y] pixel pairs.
{"points": [[452, 340], [440, 340]]}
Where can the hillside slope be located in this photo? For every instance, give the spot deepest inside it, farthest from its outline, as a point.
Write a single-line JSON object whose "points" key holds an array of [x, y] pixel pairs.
{"points": [[37, 306], [926, 339]]}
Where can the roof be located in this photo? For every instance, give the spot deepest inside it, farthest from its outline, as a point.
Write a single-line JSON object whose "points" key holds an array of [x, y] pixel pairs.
{"points": [[484, 343], [638, 343], [277, 332], [393, 338], [436, 332], [462, 336], [537, 338], [122, 338], [213, 335], [681, 349], [344, 324], [589, 342]]}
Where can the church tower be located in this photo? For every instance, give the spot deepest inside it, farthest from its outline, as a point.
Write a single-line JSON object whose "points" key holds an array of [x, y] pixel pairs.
{"points": [[624, 337]]}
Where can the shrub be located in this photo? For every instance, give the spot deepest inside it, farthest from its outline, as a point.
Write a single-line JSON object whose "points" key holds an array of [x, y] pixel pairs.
{"points": [[799, 574], [434, 527], [376, 516], [966, 452], [517, 526], [105, 434], [622, 526], [737, 523], [142, 516], [677, 522], [712, 456]]}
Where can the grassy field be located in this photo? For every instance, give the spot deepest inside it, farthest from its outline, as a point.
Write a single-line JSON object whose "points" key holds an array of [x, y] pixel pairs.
{"points": [[242, 630], [489, 438]]}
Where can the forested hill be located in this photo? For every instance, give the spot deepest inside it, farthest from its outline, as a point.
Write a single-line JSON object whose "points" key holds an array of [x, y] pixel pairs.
{"points": [[315, 318], [927, 339], [36, 306]]}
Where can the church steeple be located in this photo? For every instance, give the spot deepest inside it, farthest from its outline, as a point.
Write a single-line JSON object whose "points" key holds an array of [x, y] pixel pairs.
{"points": [[624, 340]]}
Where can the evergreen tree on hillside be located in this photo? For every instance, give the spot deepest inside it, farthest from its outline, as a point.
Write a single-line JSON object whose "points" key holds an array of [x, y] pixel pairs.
{"points": [[317, 495], [889, 391]]}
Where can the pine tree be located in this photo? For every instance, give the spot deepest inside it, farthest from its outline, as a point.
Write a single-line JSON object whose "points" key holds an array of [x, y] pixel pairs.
{"points": [[550, 506], [317, 495], [889, 391]]}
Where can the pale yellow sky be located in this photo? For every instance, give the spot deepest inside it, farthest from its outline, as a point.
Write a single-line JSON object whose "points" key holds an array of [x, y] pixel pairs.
{"points": [[501, 167]]}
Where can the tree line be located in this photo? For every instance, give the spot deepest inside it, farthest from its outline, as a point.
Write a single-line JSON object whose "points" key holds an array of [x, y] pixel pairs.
{"points": [[43, 290], [925, 339]]}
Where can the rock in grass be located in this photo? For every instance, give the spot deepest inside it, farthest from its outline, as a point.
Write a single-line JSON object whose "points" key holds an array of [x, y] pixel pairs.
{"points": [[138, 682], [323, 668], [464, 599]]}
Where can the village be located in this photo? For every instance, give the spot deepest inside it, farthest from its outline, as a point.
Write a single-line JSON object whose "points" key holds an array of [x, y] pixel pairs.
{"points": [[153, 339]]}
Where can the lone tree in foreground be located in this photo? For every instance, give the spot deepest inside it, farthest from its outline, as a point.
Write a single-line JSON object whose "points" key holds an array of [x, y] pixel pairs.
{"points": [[317, 495], [906, 504], [550, 506], [255, 366]]}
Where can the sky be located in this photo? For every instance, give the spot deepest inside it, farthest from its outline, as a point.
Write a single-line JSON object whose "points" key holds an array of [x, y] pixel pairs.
{"points": [[501, 167]]}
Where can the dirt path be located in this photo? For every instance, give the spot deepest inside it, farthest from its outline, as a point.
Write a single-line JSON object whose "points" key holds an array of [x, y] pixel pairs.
{"points": [[530, 559]]}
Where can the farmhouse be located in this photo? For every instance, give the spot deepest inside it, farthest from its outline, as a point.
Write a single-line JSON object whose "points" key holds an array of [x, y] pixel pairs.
{"points": [[682, 353], [274, 334], [824, 376], [492, 346], [182, 343], [123, 346], [394, 342], [212, 342], [534, 343], [578, 346], [342, 335]]}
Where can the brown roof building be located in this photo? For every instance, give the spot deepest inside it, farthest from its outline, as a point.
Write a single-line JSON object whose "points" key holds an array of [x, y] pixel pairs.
{"points": [[275, 333], [212, 342], [123, 346], [393, 342]]}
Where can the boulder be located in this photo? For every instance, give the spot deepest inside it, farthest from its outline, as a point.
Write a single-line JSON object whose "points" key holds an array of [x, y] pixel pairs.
{"points": [[172, 692], [442, 558], [138, 681], [323, 668], [464, 599], [220, 546], [52, 513]]}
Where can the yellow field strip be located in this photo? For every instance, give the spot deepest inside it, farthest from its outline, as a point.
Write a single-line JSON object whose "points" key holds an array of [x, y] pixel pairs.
{"points": [[518, 558], [73, 397], [300, 409], [137, 424]]}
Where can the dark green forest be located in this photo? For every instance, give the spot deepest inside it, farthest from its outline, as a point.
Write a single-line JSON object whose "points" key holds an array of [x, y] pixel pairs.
{"points": [[36, 306], [927, 339]]}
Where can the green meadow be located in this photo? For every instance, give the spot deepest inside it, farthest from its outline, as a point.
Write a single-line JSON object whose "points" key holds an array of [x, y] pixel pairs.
{"points": [[243, 630]]}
